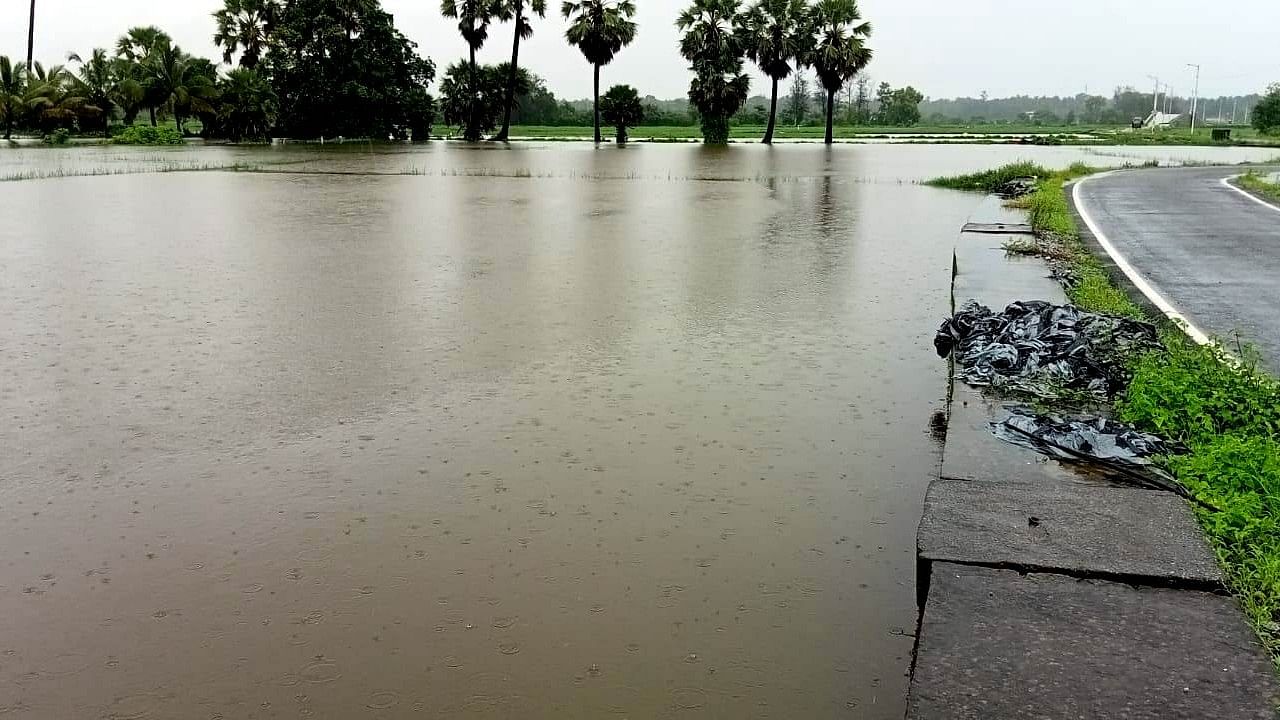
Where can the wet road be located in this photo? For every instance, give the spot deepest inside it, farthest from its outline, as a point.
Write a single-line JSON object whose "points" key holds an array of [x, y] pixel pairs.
{"points": [[1211, 252], [527, 432]]}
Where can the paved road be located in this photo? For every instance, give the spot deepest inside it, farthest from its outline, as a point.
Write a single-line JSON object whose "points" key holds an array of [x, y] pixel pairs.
{"points": [[1212, 253]]}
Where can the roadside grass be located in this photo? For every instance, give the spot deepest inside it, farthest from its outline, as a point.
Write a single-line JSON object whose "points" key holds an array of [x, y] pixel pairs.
{"points": [[1225, 411], [1257, 183]]}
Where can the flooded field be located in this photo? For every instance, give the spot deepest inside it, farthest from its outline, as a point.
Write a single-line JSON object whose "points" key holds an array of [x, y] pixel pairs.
{"points": [[536, 432]]}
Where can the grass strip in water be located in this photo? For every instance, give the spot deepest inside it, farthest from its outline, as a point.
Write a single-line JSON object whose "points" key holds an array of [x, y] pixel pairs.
{"points": [[1225, 410]]}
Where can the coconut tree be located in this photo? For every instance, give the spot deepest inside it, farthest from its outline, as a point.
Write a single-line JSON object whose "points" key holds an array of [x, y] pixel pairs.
{"points": [[621, 108], [714, 51], [97, 82], [474, 17], [51, 97], [839, 51], [515, 10], [13, 89], [244, 26], [599, 29], [182, 83], [776, 36]]}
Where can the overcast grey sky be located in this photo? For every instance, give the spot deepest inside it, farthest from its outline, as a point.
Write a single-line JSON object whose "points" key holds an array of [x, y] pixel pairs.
{"points": [[943, 48]]}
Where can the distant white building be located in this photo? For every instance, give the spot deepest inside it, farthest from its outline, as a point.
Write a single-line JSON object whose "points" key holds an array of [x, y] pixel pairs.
{"points": [[1161, 120]]}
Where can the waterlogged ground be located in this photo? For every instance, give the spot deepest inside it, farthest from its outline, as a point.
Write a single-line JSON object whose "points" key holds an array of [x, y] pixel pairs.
{"points": [[539, 432]]}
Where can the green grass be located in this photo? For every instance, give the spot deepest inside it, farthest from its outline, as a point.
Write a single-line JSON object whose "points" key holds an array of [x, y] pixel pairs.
{"points": [[1255, 183], [1225, 411], [1228, 415], [991, 180]]}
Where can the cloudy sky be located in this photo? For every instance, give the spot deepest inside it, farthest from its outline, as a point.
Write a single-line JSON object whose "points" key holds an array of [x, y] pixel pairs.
{"points": [[945, 49]]}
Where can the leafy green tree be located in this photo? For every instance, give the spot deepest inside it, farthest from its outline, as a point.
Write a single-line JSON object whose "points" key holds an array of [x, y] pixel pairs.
{"points": [[247, 106], [775, 34], [244, 26], [901, 107], [340, 67], [599, 29], [839, 51], [474, 17], [714, 51], [1266, 114], [515, 10], [13, 89], [798, 99], [621, 108]]}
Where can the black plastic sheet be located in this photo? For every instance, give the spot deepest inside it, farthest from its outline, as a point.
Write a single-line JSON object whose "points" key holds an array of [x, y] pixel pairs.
{"points": [[1102, 443], [1043, 350]]}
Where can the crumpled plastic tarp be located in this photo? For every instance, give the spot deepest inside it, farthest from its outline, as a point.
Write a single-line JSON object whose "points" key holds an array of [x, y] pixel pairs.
{"points": [[1017, 187], [1043, 350], [1097, 441]]}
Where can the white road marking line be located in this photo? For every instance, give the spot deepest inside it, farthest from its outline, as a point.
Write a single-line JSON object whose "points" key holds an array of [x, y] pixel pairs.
{"points": [[1134, 276], [1226, 183]]}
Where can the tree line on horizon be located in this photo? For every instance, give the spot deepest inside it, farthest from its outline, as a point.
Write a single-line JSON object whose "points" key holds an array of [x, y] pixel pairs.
{"points": [[314, 68]]}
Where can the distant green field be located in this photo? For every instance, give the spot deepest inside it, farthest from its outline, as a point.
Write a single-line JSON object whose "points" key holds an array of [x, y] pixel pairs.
{"points": [[1066, 134]]}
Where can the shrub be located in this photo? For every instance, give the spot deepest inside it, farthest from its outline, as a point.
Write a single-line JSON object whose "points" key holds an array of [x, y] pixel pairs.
{"points": [[147, 135], [61, 136]]}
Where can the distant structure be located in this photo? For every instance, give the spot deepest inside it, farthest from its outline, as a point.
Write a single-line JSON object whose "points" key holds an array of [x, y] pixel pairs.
{"points": [[1161, 120]]}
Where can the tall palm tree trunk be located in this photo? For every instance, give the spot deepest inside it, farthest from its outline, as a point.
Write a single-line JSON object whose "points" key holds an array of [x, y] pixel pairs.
{"points": [[470, 133], [595, 103], [152, 111], [831, 108], [511, 79], [31, 35], [773, 114]]}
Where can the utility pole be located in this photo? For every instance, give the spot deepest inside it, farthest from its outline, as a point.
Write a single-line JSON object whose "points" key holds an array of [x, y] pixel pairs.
{"points": [[1233, 109], [1168, 93], [1195, 97], [1155, 101]]}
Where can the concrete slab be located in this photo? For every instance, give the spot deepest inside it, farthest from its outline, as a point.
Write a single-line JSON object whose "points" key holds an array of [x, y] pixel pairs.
{"points": [[998, 228], [992, 209], [984, 272], [996, 644], [971, 452], [1139, 536]]}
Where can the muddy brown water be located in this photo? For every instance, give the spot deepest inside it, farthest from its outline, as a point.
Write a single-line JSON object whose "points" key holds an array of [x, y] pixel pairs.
{"points": [[540, 432]]}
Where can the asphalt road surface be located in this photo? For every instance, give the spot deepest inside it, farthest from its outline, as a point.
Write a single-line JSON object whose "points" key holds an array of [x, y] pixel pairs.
{"points": [[1210, 252]]}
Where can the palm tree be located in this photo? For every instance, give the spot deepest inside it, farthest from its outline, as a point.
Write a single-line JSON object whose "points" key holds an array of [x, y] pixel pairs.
{"points": [[245, 26], [523, 31], [136, 48], [52, 97], [714, 51], [621, 108], [839, 52], [599, 29], [181, 82], [248, 106], [31, 35], [775, 34], [473, 18], [13, 88], [97, 82]]}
